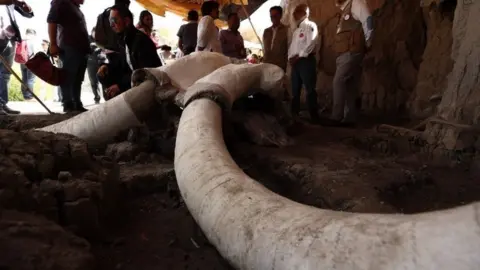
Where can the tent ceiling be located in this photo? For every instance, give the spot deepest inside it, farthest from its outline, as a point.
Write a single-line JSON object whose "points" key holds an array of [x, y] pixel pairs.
{"points": [[181, 7]]}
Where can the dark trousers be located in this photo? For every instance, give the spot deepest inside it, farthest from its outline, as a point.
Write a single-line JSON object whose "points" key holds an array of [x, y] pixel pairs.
{"points": [[75, 65], [7, 54], [92, 68], [304, 73], [28, 78]]}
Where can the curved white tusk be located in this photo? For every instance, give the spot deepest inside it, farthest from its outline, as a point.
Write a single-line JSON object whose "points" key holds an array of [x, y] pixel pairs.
{"points": [[254, 228], [103, 123], [183, 72]]}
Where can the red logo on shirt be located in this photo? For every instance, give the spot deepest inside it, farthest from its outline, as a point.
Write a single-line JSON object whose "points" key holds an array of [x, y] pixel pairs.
{"points": [[301, 35]]}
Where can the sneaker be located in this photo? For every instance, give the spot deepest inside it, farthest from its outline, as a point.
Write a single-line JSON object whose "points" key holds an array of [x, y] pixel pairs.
{"points": [[68, 108], [8, 110]]}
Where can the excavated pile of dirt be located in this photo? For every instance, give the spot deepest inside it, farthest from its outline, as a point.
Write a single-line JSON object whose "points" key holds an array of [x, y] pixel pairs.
{"points": [[56, 176], [32, 242]]}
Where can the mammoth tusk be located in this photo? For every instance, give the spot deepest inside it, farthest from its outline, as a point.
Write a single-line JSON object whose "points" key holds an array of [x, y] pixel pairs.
{"points": [[130, 109], [104, 122], [254, 228]]}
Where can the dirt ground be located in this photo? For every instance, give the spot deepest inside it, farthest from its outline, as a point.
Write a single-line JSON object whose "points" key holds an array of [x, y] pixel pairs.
{"points": [[326, 168], [333, 168]]}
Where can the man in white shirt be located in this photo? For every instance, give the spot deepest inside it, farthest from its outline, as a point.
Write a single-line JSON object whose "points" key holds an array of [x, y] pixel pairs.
{"points": [[301, 56], [207, 35], [354, 36]]}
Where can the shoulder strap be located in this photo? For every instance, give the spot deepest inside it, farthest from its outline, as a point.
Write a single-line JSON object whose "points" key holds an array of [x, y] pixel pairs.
{"points": [[13, 23]]}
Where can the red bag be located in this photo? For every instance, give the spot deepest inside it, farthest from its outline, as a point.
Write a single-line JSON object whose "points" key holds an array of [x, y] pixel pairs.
{"points": [[21, 52], [42, 67]]}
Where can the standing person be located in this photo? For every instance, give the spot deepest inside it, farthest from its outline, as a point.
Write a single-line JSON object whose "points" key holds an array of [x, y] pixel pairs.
{"points": [[145, 24], [354, 36], [187, 34], [69, 40], [92, 66], [232, 40], [31, 47], [275, 40], [301, 55], [207, 35], [9, 33]]}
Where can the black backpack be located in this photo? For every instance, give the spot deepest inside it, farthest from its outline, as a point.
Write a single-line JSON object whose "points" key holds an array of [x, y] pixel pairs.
{"points": [[104, 35]]}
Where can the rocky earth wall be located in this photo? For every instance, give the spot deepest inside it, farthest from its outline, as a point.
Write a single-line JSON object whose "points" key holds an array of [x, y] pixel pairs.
{"points": [[436, 64], [457, 130]]}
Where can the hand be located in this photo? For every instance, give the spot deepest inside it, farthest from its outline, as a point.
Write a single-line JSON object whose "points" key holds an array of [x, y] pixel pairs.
{"points": [[54, 49], [102, 71], [113, 91], [293, 60], [9, 31], [22, 5], [26, 7]]}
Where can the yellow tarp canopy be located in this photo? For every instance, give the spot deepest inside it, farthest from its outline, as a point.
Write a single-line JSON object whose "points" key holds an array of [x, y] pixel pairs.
{"points": [[180, 7]]}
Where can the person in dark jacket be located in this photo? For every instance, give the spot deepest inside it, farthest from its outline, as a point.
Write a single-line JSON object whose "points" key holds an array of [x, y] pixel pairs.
{"points": [[138, 49], [114, 74]]}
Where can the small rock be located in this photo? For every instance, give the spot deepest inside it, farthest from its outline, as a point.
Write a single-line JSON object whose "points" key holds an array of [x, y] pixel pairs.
{"points": [[142, 157], [64, 176], [79, 188], [124, 151]]}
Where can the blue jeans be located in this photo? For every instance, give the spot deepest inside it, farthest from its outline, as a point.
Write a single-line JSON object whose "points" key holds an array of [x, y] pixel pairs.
{"points": [[8, 55], [28, 78], [75, 65]]}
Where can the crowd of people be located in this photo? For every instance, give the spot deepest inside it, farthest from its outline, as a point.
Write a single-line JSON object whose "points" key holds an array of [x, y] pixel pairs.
{"points": [[78, 52]]}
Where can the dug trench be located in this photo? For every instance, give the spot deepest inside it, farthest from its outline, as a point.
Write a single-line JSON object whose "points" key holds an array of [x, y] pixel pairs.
{"points": [[132, 213]]}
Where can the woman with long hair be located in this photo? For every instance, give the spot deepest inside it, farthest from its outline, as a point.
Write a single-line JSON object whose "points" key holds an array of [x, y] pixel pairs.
{"points": [[145, 24]]}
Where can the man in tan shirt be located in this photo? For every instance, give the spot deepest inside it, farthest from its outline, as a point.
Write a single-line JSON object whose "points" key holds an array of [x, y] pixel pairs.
{"points": [[353, 38], [275, 40]]}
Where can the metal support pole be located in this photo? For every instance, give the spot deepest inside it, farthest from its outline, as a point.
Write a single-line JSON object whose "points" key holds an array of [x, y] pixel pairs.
{"points": [[254, 31]]}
